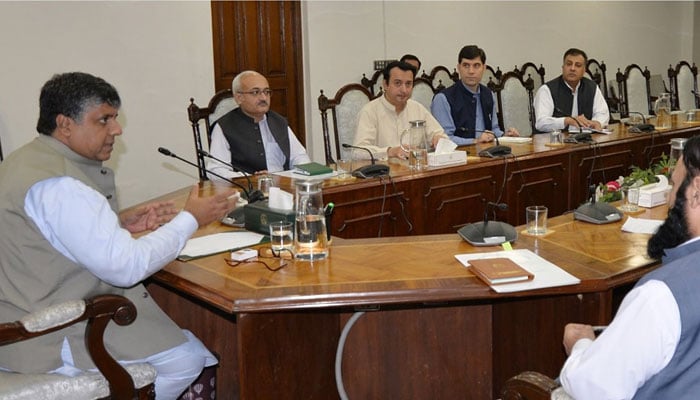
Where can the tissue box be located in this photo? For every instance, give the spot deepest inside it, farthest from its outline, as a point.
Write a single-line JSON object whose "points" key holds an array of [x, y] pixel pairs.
{"points": [[259, 215], [451, 158], [653, 195]]}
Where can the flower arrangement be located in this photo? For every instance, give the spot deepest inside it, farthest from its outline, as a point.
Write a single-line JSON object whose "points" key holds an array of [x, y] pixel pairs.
{"points": [[610, 191]]}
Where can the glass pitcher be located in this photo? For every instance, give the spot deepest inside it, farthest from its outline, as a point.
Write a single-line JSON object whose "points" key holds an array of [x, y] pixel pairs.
{"points": [[662, 108], [414, 141], [310, 240]]}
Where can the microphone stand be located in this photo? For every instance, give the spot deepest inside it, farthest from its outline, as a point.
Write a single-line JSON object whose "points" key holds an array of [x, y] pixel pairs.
{"points": [[368, 171], [253, 194], [166, 152]]}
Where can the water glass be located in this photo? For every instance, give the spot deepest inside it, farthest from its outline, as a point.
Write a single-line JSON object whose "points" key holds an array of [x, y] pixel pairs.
{"points": [[630, 198], [264, 184], [555, 137], [281, 235], [536, 217]]}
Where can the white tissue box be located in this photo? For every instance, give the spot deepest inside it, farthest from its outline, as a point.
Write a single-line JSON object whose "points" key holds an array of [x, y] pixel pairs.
{"points": [[451, 158], [653, 195]]}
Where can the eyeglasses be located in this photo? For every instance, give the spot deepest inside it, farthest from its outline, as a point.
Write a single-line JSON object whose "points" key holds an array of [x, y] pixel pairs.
{"points": [[265, 256], [258, 92]]}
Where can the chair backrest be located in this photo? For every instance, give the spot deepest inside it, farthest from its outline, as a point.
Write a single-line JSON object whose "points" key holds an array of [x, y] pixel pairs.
{"points": [[529, 69], [597, 73], [345, 111], [440, 77], [220, 104], [423, 92], [514, 98], [634, 90], [494, 77], [684, 86], [374, 84]]}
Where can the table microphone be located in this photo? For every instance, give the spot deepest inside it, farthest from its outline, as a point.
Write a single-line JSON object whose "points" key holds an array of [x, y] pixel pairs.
{"points": [[253, 194], [166, 152], [368, 171], [487, 232], [643, 127]]}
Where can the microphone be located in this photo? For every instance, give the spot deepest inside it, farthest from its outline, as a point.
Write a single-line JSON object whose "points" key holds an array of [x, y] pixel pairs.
{"points": [[166, 152], [489, 233], [253, 195], [643, 127], [495, 151], [368, 171]]}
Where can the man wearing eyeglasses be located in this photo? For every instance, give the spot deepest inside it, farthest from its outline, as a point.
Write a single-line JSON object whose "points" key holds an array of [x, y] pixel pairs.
{"points": [[251, 137]]}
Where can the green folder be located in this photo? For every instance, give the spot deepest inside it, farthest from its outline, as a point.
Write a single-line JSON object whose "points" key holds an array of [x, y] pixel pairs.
{"points": [[312, 168]]}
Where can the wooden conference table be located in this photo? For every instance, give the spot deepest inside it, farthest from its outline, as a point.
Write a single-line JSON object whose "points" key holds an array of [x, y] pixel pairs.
{"points": [[442, 199], [432, 329]]}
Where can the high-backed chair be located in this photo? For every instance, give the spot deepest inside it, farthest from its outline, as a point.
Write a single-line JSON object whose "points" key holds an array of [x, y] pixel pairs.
{"points": [[440, 78], [374, 84], [529, 69], [220, 104], [111, 382], [491, 77], [423, 92], [684, 86], [514, 98], [345, 109], [634, 90]]}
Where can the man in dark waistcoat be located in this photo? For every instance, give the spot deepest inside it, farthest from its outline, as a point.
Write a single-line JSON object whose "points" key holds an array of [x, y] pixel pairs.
{"points": [[467, 110], [62, 239], [251, 137], [570, 100], [651, 349]]}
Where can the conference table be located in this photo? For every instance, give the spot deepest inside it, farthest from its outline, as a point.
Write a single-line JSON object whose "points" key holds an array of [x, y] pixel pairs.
{"points": [[424, 325]]}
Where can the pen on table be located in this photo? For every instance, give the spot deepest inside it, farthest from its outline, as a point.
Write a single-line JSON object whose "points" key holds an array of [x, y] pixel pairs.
{"points": [[328, 209]]}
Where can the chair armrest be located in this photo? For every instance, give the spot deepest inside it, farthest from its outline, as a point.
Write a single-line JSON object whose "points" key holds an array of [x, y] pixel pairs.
{"points": [[529, 385], [98, 311]]}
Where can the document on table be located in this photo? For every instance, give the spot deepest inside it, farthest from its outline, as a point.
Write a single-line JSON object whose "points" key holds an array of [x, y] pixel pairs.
{"points": [[546, 274], [219, 243], [514, 139], [641, 225]]}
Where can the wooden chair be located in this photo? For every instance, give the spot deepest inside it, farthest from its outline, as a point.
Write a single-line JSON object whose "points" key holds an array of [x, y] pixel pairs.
{"points": [[374, 84], [514, 98], [345, 109], [423, 92], [440, 78], [532, 385], [220, 104], [684, 86], [111, 382], [529, 69], [633, 89], [491, 77]]}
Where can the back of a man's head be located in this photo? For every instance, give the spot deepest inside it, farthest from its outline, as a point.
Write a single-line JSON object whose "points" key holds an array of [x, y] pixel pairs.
{"points": [[407, 58], [674, 231], [71, 94], [403, 66], [471, 52]]}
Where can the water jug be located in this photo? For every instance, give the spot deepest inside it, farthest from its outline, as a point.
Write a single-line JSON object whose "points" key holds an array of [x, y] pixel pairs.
{"points": [[414, 141], [662, 108], [310, 239]]}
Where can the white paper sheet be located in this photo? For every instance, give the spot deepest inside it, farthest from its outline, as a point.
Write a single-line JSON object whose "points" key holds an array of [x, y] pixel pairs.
{"points": [[218, 243], [641, 225], [546, 274]]}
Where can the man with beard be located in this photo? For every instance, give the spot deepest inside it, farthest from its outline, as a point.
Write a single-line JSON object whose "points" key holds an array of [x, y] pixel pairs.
{"points": [[251, 137], [651, 350]]}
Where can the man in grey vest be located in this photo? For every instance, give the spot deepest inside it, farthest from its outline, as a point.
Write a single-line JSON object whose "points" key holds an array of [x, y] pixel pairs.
{"points": [[251, 137], [570, 99], [651, 350], [63, 239]]}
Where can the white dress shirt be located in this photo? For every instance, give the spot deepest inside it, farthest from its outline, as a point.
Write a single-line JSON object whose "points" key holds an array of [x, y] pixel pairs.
{"points": [[640, 342], [544, 109], [274, 156], [58, 206]]}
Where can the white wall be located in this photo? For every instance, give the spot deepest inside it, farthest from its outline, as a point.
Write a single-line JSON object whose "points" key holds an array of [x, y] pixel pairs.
{"points": [[159, 54]]}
